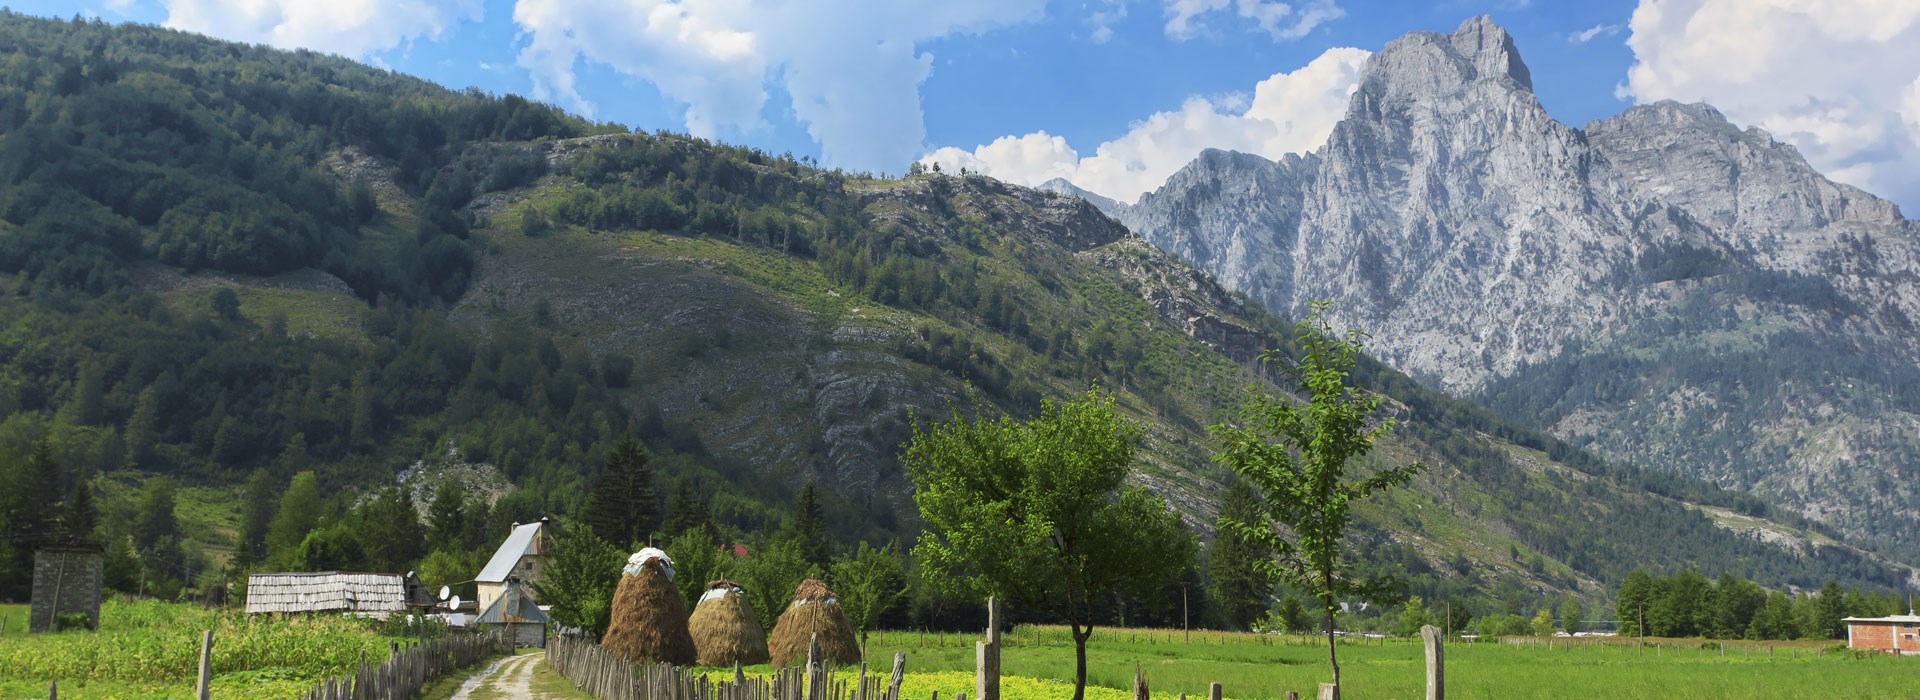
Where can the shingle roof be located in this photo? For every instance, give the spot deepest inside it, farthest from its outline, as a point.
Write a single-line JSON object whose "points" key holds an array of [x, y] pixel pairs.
{"points": [[326, 591], [1889, 618], [524, 540], [513, 605]]}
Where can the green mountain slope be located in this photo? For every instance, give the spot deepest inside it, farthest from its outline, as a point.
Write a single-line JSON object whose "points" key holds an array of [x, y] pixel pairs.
{"points": [[222, 258]]}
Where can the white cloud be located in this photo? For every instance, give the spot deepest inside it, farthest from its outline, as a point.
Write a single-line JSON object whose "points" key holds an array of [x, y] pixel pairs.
{"points": [[1288, 113], [1835, 78], [1279, 19], [1593, 32], [1103, 19], [355, 28], [851, 67]]}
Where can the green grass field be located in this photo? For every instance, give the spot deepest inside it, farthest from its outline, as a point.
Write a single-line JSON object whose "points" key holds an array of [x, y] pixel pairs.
{"points": [[149, 649], [1254, 666]]}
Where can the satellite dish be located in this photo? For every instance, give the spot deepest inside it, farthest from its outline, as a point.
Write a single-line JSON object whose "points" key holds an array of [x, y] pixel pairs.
{"points": [[445, 591], [454, 604]]}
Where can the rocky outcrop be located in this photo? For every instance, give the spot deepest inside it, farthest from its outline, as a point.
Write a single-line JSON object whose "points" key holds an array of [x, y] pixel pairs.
{"points": [[1491, 249]]}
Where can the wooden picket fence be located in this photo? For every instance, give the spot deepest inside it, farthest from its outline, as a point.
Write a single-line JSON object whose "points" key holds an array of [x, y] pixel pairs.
{"points": [[606, 676], [405, 672]]}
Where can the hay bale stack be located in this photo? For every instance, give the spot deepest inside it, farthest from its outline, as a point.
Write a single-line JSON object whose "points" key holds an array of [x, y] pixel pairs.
{"points": [[815, 610], [725, 630], [649, 619]]}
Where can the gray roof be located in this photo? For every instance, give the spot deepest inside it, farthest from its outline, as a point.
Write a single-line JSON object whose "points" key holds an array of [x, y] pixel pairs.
{"points": [[513, 605], [524, 540], [327, 591]]}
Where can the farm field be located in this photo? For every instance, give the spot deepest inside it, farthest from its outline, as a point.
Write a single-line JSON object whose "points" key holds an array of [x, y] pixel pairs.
{"points": [[1253, 666], [149, 649]]}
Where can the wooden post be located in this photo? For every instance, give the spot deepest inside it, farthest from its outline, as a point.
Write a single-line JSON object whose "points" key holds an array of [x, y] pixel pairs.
{"points": [[899, 672], [1186, 630], [986, 675], [1213, 691], [53, 690], [1139, 684], [1292, 695], [1436, 675], [1329, 691], [200, 690]]}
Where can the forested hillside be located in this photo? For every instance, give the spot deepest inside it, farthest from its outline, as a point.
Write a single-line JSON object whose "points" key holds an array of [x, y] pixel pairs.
{"points": [[232, 275]]}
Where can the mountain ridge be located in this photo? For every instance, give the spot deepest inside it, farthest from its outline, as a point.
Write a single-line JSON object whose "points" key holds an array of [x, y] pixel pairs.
{"points": [[1557, 273]]}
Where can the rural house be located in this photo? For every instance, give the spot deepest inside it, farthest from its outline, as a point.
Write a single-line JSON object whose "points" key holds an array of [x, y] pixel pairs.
{"points": [[372, 595], [514, 610], [523, 556], [1893, 634]]}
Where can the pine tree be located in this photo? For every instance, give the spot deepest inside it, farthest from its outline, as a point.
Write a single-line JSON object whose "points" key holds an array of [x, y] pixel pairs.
{"points": [[1630, 605], [687, 511], [389, 531], [298, 514], [809, 529], [81, 516], [260, 501], [154, 515], [621, 508], [143, 426], [1240, 583], [447, 516]]}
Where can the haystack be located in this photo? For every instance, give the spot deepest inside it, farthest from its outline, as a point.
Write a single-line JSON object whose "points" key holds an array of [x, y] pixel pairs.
{"points": [[725, 630], [649, 619], [815, 610]]}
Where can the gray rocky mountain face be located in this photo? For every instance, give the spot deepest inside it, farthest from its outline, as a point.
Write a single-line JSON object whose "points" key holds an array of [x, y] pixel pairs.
{"points": [[1661, 284]]}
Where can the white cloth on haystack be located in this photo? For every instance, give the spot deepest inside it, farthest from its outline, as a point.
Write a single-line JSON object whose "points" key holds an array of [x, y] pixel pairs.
{"points": [[640, 559], [721, 592]]}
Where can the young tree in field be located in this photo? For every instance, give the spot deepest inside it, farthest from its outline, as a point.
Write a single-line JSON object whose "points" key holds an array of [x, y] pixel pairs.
{"points": [[1570, 614], [870, 581], [1240, 581], [1039, 512], [256, 511], [769, 574], [1412, 617], [621, 508], [1631, 603], [1299, 457], [1543, 623], [580, 581]]}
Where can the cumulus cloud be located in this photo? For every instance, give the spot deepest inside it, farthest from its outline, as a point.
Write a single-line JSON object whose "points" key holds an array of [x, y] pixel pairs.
{"points": [[355, 28], [1101, 21], [1837, 78], [1593, 32], [1288, 113], [1186, 18], [851, 67]]}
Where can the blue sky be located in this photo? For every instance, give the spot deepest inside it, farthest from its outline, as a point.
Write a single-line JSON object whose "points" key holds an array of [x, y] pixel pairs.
{"points": [[876, 84]]}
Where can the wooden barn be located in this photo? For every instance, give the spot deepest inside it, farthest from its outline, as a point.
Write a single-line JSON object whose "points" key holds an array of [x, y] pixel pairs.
{"points": [[1893, 634], [524, 556], [372, 595], [513, 609]]}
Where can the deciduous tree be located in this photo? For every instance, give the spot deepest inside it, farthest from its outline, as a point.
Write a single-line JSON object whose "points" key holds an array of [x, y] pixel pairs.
{"points": [[1040, 512], [1299, 457]]}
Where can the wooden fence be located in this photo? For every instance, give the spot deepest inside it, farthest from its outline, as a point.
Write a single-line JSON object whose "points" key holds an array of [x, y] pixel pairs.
{"points": [[608, 677], [404, 673]]}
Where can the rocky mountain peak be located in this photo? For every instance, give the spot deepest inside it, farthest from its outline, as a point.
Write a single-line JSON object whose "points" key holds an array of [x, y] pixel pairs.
{"points": [[1491, 50], [1420, 66]]}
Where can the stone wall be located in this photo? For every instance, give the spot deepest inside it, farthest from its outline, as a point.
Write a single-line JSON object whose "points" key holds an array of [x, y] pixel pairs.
{"points": [[66, 579]]}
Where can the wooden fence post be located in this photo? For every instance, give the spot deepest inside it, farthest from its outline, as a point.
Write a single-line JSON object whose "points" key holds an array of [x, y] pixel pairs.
{"points": [[986, 681], [200, 689], [1436, 674], [1329, 691], [1139, 684], [53, 690], [1213, 691], [899, 672]]}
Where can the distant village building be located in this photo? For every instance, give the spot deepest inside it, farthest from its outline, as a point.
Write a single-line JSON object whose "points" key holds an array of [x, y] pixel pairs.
{"points": [[1893, 634], [523, 556], [372, 595], [513, 609], [66, 581]]}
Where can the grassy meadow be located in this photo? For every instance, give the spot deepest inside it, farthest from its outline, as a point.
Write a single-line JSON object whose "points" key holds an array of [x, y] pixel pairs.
{"points": [[150, 649], [1259, 666]]}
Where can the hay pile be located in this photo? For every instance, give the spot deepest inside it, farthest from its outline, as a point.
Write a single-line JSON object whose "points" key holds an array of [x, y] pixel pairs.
{"points": [[815, 610], [725, 630], [649, 619]]}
